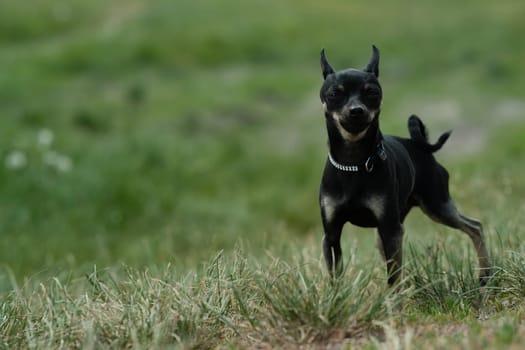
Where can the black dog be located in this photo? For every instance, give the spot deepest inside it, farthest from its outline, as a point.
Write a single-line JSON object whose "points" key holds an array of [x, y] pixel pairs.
{"points": [[373, 180]]}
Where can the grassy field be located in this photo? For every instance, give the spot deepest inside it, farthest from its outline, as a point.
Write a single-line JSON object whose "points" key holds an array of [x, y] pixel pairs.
{"points": [[161, 162]]}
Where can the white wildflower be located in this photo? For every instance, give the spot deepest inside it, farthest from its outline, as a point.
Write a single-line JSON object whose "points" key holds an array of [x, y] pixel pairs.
{"points": [[59, 162], [64, 164], [45, 138], [15, 160]]}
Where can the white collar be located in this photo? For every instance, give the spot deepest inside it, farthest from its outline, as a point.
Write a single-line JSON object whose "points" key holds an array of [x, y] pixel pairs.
{"points": [[349, 168], [369, 164]]}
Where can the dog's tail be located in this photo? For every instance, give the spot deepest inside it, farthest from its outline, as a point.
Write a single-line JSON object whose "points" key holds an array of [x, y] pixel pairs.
{"points": [[419, 134]]}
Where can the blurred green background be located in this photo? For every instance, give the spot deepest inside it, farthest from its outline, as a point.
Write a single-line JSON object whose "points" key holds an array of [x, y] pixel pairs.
{"points": [[148, 132]]}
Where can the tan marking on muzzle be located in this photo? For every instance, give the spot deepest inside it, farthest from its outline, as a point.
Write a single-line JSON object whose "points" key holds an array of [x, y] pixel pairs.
{"points": [[344, 133]]}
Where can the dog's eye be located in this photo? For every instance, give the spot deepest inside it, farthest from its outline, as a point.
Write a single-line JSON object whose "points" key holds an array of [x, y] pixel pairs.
{"points": [[372, 92], [334, 95], [372, 95]]}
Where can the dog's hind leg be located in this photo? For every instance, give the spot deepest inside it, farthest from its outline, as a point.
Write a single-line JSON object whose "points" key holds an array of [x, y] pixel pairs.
{"points": [[447, 214]]}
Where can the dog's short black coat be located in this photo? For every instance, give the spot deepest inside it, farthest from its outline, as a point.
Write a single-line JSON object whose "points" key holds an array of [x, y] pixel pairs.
{"points": [[374, 180]]}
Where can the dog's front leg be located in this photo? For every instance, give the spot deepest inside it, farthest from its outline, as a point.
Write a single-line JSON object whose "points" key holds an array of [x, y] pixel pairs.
{"points": [[332, 247], [391, 238]]}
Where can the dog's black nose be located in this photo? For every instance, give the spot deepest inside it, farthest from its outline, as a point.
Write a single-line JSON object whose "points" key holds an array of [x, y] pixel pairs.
{"points": [[356, 111]]}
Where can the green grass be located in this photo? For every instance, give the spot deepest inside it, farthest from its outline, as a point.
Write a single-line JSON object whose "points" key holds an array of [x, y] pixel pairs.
{"points": [[237, 301], [183, 129]]}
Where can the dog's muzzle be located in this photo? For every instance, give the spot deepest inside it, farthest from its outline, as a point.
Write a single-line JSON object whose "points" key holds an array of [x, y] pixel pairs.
{"points": [[355, 122], [354, 126], [354, 117]]}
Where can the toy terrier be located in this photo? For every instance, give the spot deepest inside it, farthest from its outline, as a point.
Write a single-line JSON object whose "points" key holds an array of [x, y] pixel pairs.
{"points": [[373, 180]]}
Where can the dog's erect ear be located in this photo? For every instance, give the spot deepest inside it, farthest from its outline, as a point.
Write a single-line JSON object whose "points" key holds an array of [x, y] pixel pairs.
{"points": [[325, 66], [373, 64]]}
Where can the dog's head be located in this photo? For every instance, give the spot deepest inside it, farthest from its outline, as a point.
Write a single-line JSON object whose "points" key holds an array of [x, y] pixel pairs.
{"points": [[351, 98]]}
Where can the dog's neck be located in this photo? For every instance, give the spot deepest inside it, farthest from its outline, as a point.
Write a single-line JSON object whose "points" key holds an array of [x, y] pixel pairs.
{"points": [[353, 152]]}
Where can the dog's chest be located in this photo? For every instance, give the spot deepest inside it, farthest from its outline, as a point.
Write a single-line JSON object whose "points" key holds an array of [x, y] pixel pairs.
{"points": [[366, 210], [376, 204]]}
